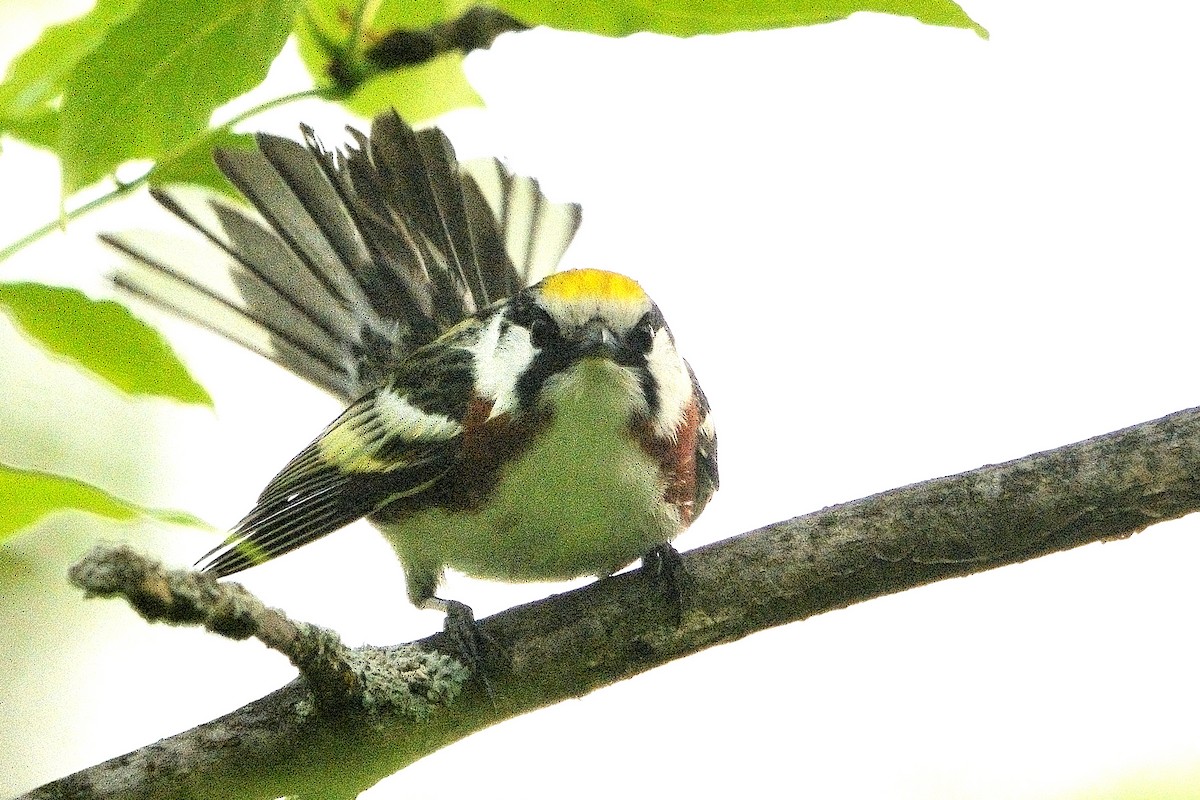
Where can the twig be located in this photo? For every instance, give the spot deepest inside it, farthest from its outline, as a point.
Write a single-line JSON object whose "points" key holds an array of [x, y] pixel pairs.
{"points": [[126, 187], [341, 680]]}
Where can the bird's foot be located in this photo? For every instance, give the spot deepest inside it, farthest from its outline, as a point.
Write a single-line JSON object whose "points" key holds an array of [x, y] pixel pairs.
{"points": [[663, 565], [468, 641]]}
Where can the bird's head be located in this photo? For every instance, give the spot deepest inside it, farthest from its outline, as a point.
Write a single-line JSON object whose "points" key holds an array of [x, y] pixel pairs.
{"points": [[584, 331]]}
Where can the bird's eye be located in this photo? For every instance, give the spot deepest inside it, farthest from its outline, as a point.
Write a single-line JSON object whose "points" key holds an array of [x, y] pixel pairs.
{"points": [[542, 331], [641, 339]]}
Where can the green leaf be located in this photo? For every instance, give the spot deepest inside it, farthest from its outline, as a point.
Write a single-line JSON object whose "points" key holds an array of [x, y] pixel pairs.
{"points": [[418, 93], [103, 337], [330, 17], [27, 496], [318, 37], [36, 77], [692, 17], [195, 164], [156, 79], [440, 86], [39, 129]]}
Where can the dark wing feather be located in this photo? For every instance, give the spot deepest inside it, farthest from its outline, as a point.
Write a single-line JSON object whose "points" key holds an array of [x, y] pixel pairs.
{"points": [[355, 258], [394, 442], [320, 497], [301, 212]]}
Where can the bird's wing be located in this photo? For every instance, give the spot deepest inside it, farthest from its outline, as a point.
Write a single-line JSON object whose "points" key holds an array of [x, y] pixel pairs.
{"points": [[350, 260], [395, 442]]}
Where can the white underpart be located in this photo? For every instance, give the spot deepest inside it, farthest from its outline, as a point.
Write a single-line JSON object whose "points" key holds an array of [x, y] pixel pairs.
{"points": [[499, 361], [586, 499]]}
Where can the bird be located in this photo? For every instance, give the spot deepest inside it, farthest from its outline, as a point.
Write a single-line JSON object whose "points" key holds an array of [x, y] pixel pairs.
{"points": [[504, 419]]}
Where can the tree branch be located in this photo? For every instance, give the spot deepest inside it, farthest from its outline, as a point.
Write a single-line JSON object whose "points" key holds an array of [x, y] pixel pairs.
{"points": [[1103, 488], [338, 678]]}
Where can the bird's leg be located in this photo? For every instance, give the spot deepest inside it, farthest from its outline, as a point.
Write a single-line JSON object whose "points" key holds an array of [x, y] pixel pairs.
{"points": [[663, 565], [468, 641]]}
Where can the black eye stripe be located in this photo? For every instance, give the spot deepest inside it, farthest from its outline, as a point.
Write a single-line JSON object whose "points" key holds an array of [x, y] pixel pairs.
{"points": [[640, 338], [649, 391], [545, 364], [543, 330], [556, 353]]}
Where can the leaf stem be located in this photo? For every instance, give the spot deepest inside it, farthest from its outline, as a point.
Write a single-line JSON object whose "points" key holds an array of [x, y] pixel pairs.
{"points": [[123, 188], [362, 20], [325, 93]]}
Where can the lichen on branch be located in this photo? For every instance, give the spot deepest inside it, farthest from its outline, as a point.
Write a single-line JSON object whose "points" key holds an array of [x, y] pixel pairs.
{"points": [[341, 679]]}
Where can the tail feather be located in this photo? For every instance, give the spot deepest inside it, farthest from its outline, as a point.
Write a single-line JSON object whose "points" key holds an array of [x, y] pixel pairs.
{"points": [[266, 271], [451, 227], [304, 350], [395, 277], [536, 232], [489, 243], [410, 185], [360, 255]]}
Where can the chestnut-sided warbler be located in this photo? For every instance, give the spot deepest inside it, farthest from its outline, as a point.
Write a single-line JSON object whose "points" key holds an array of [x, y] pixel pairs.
{"points": [[512, 431]]}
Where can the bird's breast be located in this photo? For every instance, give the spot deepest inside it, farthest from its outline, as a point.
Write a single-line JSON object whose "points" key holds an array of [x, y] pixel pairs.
{"points": [[576, 493]]}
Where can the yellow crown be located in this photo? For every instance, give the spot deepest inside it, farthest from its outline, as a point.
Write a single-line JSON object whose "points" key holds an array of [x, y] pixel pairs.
{"points": [[580, 284]]}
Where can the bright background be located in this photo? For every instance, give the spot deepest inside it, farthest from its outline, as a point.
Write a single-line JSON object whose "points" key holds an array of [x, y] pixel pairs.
{"points": [[891, 252]]}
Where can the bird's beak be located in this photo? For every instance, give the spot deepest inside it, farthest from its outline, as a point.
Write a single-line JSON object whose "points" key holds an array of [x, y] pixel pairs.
{"points": [[597, 340]]}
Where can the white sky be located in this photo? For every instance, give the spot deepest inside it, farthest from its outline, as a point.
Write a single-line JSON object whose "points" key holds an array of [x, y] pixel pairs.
{"points": [[892, 252]]}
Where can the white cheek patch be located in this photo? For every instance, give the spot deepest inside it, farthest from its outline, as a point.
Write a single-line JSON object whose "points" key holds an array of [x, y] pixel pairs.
{"points": [[500, 359], [674, 383]]}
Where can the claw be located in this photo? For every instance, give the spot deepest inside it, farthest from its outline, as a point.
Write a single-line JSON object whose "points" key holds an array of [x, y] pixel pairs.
{"points": [[468, 640], [663, 565]]}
